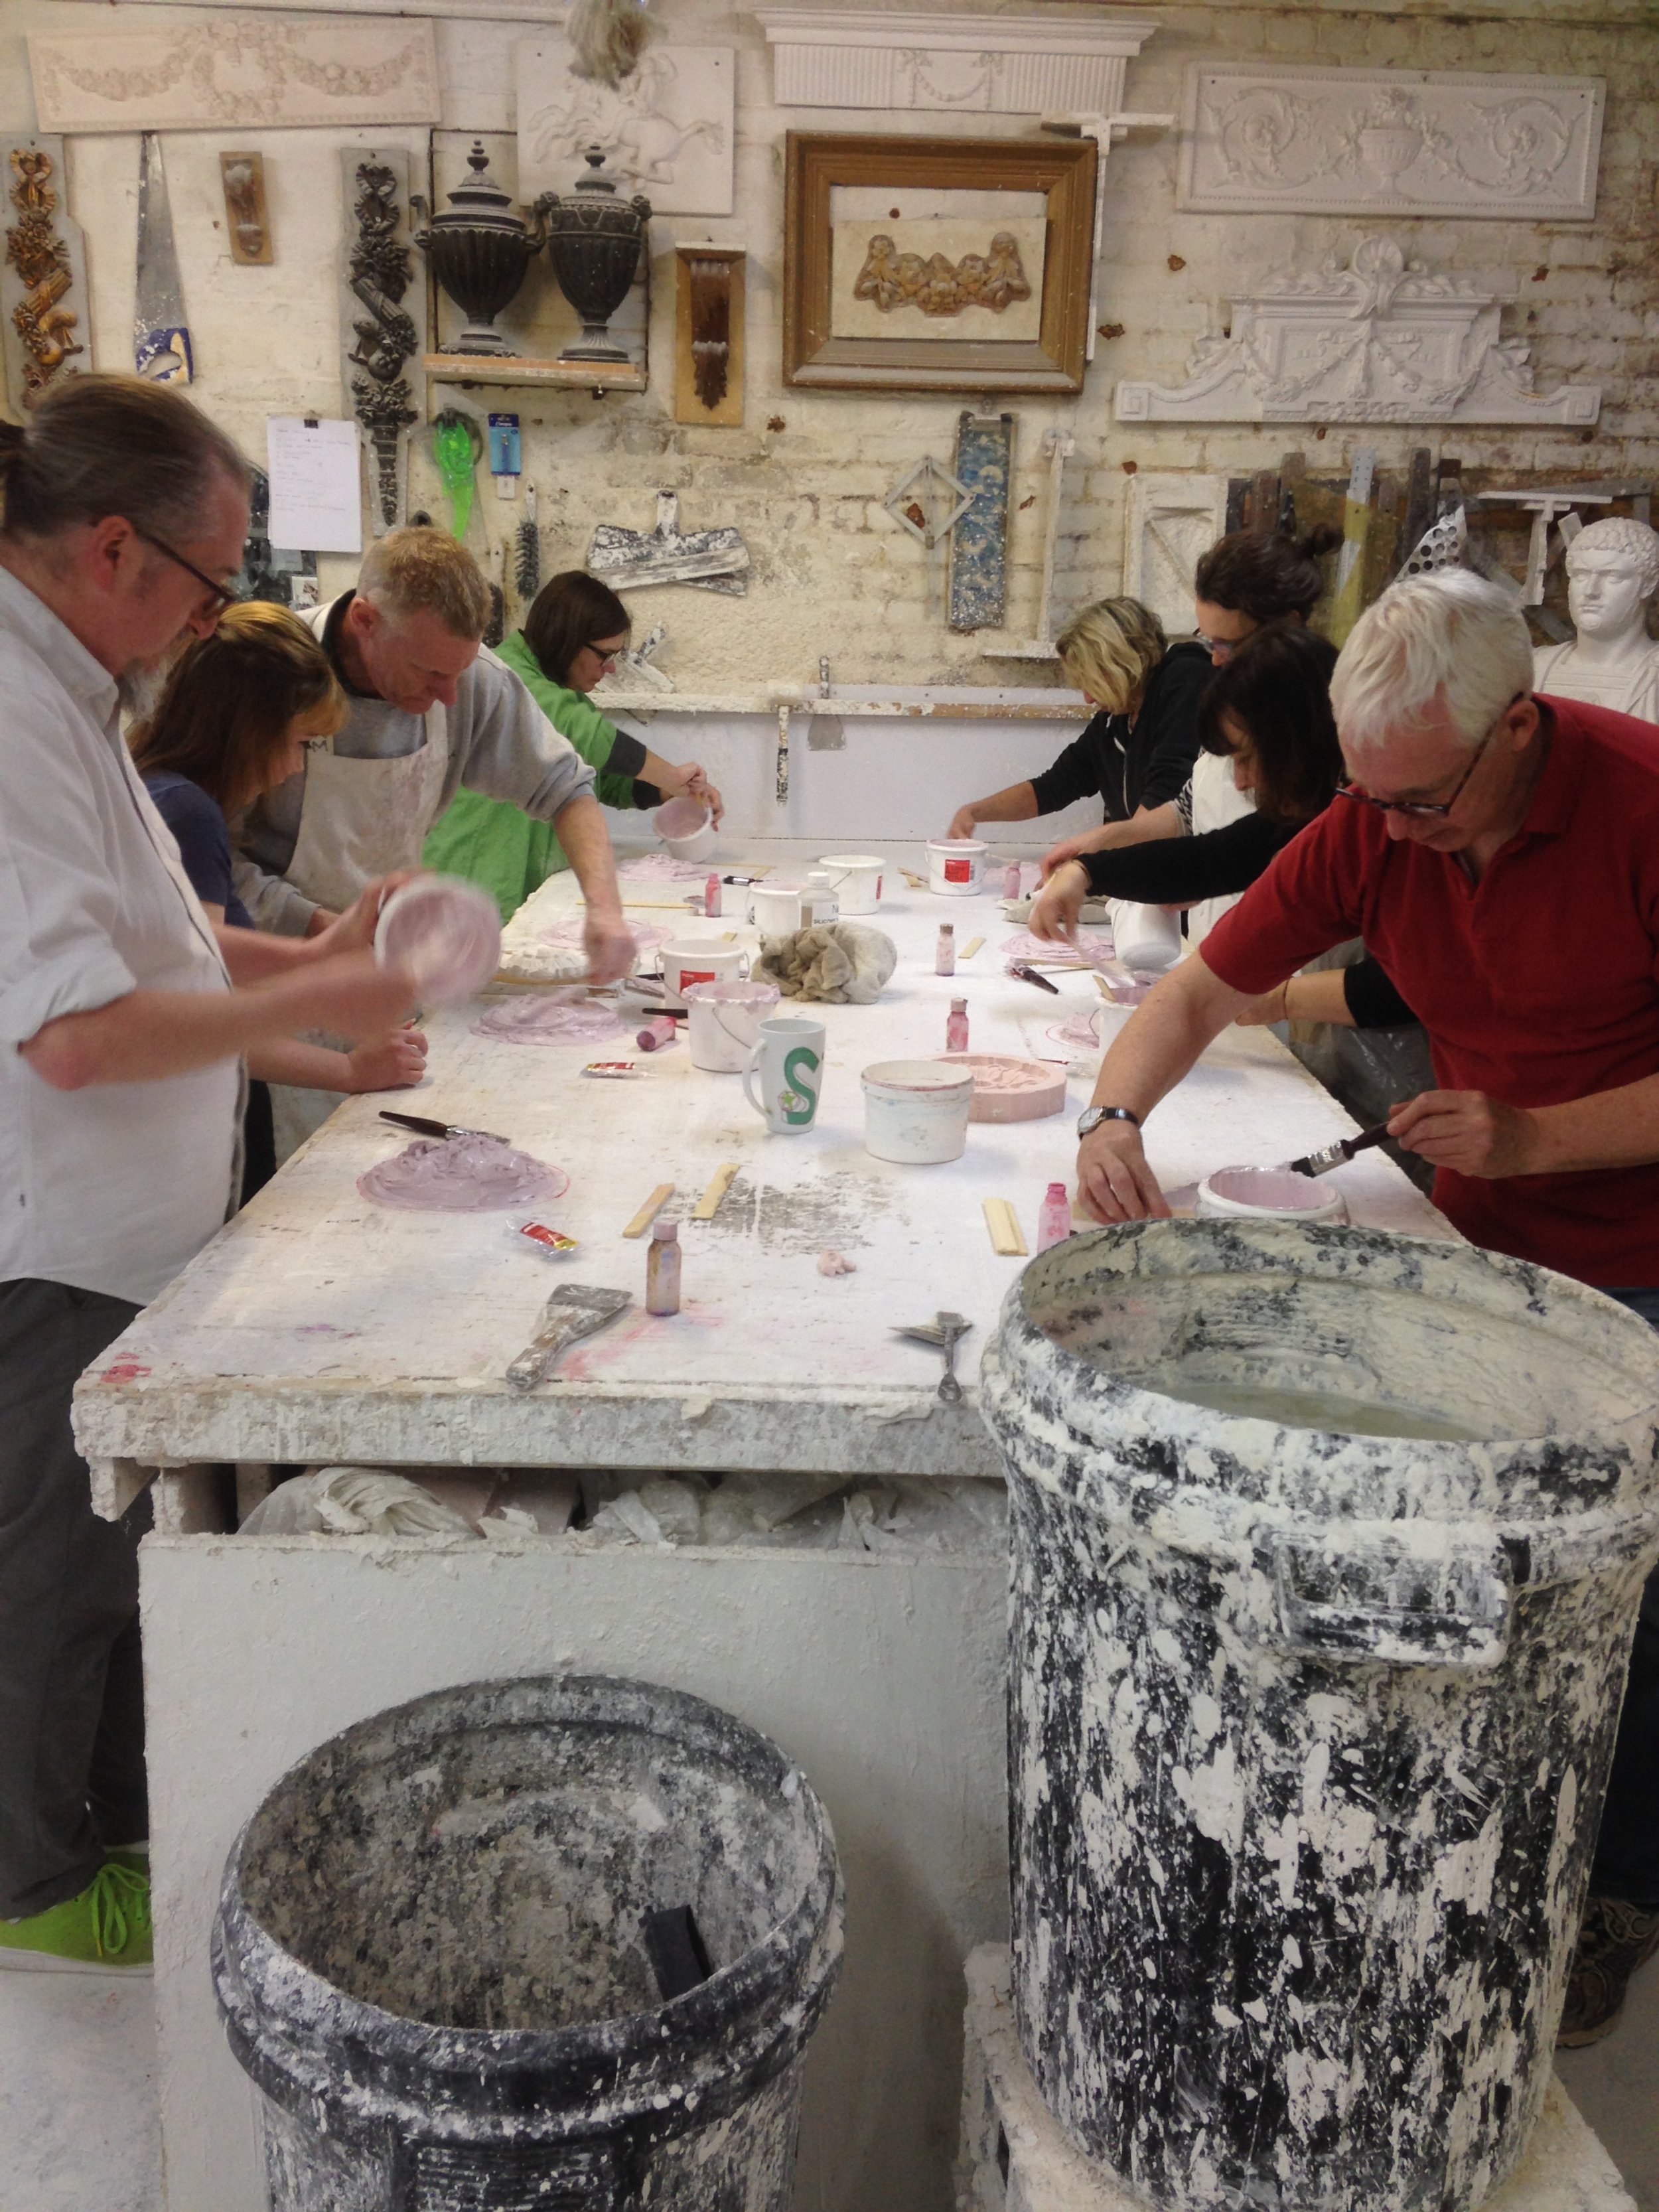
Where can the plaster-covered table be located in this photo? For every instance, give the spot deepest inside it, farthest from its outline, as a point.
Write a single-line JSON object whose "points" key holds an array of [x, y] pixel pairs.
{"points": [[320, 1326]]}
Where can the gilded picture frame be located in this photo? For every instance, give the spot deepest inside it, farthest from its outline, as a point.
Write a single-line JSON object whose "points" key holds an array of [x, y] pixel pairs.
{"points": [[924, 359]]}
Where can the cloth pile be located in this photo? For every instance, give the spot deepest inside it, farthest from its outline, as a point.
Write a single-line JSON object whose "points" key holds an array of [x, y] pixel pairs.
{"points": [[840, 964]]}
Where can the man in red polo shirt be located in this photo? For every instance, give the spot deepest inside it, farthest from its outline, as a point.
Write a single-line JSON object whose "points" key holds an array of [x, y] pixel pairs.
{"points": [[1499, 854]]}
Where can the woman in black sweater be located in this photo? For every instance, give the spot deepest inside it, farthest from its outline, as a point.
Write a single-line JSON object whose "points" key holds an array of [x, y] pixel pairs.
{"points": [[1137, 751]]}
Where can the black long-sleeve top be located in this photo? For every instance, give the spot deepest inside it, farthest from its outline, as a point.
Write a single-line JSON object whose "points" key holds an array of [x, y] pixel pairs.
{"points": [[1373, 999], [1127, 768], [1181, 871]]}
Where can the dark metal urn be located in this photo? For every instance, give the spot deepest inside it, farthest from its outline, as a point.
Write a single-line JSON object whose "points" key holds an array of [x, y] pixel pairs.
{"points": [[479, 252], [594, 239]]}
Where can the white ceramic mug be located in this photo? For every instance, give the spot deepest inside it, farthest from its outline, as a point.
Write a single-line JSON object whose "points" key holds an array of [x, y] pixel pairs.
{"points": [[693, 960], [725, 1024], [775, 909], [786, 1064]]}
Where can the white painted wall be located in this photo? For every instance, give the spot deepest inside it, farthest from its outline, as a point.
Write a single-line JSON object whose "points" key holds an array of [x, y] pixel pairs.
{"points": [[884, 1678]]}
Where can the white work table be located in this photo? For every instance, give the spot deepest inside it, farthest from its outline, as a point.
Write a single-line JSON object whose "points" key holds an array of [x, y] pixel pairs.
{"points": [[320, 1326]]}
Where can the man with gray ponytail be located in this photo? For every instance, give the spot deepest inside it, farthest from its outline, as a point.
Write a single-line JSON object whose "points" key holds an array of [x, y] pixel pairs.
{"points": [[1498, 852], [122, 1025]]}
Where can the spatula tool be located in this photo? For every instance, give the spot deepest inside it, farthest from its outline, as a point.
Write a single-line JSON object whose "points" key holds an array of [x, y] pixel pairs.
{"points": [[944, 1332], [1338, 1154], [424, 1127], [575, 1310]]}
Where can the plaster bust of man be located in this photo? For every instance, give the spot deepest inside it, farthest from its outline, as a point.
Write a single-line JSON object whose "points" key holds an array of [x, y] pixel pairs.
{"points": [[1613, 574]]}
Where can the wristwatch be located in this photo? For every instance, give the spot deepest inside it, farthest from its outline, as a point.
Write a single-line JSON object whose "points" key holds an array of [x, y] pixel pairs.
{"points": [[1091, 1117]]}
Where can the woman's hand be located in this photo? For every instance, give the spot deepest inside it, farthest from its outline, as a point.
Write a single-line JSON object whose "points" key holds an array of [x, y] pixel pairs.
{"points": [[1073, 848], [699, 788], [686, 780], [388, 1063], [1113, 1179], [962, 822], [354, 930], [1055, 910]]}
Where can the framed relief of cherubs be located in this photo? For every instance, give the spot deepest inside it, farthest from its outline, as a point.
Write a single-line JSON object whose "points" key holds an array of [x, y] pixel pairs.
{"points": [[937, 265]]}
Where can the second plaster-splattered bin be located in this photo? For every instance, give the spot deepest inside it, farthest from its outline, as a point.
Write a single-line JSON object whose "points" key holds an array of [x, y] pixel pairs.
{"points": [[430, 1957], [1309, 1728]]}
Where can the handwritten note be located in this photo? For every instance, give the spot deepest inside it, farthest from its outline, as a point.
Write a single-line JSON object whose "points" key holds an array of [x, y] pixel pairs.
{"points": [[316, 503]]}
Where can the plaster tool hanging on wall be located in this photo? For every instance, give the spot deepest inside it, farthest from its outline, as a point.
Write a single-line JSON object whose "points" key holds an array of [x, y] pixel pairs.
{"points": [[527, 562], [708, 334], [978, 588], [247, 223], [382, 320], [162, 349], [457, 445], [43, 277], [714, 560], [1348, 595]]}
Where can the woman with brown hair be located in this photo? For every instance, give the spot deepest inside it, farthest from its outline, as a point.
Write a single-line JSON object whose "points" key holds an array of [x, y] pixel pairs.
{"points": [[234, 716], [571, 635]]}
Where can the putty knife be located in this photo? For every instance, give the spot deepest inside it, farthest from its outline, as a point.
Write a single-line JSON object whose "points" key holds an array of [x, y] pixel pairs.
{"points": [[575, 1310]]}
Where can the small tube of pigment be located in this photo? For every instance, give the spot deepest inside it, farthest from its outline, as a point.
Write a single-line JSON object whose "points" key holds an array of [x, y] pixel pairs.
{"points": [[662, 1268], [1010, 880], [658, 1032], [944, 960], [1053, 1217], [955, 1026]]}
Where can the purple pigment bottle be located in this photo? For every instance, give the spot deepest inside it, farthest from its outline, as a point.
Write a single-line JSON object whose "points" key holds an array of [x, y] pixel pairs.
{"points": [[662, 1268]]}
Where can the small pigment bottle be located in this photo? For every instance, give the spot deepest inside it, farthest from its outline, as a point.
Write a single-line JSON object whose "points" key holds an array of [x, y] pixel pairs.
{"points": [[711, 896], [955, 1026], [662, 1268], [1010, 880], [944, 960], [1053, 1217], [659, 1031]]}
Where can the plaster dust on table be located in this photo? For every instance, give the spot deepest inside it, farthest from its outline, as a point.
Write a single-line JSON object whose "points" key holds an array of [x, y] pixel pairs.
{"points": [[461, 1175], [832, 1210], [1089, 948]]}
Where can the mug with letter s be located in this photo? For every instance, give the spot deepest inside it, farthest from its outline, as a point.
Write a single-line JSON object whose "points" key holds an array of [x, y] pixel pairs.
{"points": [[786, 1066]]}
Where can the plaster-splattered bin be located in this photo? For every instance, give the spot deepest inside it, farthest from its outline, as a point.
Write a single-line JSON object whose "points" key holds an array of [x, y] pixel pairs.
{"points": [[1309, 1731], [429, 1956]]}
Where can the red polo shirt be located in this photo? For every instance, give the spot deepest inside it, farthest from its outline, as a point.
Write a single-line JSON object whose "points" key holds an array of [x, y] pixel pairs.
{"points": [[1537, 985]]}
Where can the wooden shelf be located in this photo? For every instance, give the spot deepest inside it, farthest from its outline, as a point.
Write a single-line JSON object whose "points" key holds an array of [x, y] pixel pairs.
{"points": [[505, 369]]}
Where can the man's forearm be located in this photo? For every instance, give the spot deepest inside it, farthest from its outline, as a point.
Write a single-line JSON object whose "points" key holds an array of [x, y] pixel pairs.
{"points": [[1183, 1013], [1611, 1129], [581, 832]]}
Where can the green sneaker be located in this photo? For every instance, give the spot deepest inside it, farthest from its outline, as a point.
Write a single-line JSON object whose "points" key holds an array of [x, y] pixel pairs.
{"points": [[106, 1929]]}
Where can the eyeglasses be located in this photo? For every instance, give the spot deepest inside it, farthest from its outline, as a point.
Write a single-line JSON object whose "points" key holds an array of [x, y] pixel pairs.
{"points": [[1219, 648], [605, 653], [221, 593], [1425, 810]]}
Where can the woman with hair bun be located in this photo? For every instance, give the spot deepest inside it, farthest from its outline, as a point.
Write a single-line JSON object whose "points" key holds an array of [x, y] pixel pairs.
{"points": [[1138, 750]]}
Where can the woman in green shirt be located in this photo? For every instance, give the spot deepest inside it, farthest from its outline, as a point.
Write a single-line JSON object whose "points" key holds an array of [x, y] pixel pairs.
{"points": [[571, 637]]}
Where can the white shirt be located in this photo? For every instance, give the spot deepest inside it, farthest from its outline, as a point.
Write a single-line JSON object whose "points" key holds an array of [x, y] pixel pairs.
{"points": [[114, 1188]]}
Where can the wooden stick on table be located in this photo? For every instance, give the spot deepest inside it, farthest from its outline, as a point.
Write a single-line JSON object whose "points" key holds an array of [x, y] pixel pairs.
{"points": [[1003, 1225], [970, 948], [648, 1212], [709, 1204]]}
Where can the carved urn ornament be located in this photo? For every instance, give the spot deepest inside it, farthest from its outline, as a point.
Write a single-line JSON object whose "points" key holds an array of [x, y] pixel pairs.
{"points": [[594, 239], [479, 252]]}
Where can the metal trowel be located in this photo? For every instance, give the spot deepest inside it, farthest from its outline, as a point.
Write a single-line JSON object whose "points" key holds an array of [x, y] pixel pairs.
{"points": [[944, 1333], [575, 1309]]}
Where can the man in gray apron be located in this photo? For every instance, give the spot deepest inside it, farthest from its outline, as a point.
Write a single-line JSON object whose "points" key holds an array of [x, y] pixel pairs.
{"points": [[431, 711]]}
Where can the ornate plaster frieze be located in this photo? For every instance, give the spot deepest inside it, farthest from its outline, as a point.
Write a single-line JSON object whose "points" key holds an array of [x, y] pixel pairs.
{"points": [[245, 70], [1377, 340], [956, 63], [383, 320], [668, 130], [1390, 142]]}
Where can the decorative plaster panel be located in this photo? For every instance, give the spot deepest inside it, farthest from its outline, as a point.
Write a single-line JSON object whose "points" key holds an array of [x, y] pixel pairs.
{"points": [[245, 70], [961, 64], [1390, 142], [668, 130], [1170, 522], [1380, 340], [45, 333]]}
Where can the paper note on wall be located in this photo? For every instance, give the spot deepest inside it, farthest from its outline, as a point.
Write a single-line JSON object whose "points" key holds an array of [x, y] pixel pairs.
{"points": [[315, 499]]}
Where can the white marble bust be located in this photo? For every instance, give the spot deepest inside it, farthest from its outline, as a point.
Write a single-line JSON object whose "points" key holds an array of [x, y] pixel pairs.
{"points": [[1613, 574]]}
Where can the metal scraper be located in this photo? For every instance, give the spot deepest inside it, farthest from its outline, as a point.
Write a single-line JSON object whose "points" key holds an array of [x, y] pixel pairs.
{"points": [[161, 339], [575, 1310]]}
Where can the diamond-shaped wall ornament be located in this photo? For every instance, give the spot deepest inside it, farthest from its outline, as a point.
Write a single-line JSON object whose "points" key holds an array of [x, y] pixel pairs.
{"points": [[929, 502]]}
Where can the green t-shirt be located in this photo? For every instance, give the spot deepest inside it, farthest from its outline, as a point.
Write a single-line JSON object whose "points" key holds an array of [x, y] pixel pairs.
{"points": [[498, 846]]}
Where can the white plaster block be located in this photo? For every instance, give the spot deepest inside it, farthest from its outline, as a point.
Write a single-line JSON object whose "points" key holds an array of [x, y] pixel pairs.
{"points": [[1169, 521], [667, 131], [1015, 2156], [234, 70], [1390, 142], [963, 64]]}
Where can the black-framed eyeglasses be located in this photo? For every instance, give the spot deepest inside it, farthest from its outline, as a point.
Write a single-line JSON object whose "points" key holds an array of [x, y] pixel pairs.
{"points": [[1428, 810], [605, 652], [221, 593]]}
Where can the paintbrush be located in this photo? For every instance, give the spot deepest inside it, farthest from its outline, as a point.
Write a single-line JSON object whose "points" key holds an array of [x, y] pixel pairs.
{"points": [[1338, 1154], [424, 1127], [1028, 975]]}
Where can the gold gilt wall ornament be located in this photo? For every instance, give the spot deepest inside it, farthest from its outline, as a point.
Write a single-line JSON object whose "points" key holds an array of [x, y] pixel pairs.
{"points": [[938, 286], [43, 286]]}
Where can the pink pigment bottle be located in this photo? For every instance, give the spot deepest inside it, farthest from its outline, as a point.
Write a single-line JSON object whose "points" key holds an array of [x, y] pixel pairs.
{"points": [[711, 896], [955, 1026], [944, 957], [1053, 1217], [662, 1268]]}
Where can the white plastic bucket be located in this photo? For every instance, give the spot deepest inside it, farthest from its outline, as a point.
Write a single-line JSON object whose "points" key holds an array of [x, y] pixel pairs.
{"points": [[1268, 1194], [686, 827], [915, 1111], [956, 865], [775, 909], [725, 1023], [444, 932], [1146, 939], [700, 960], [856, 879]]}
